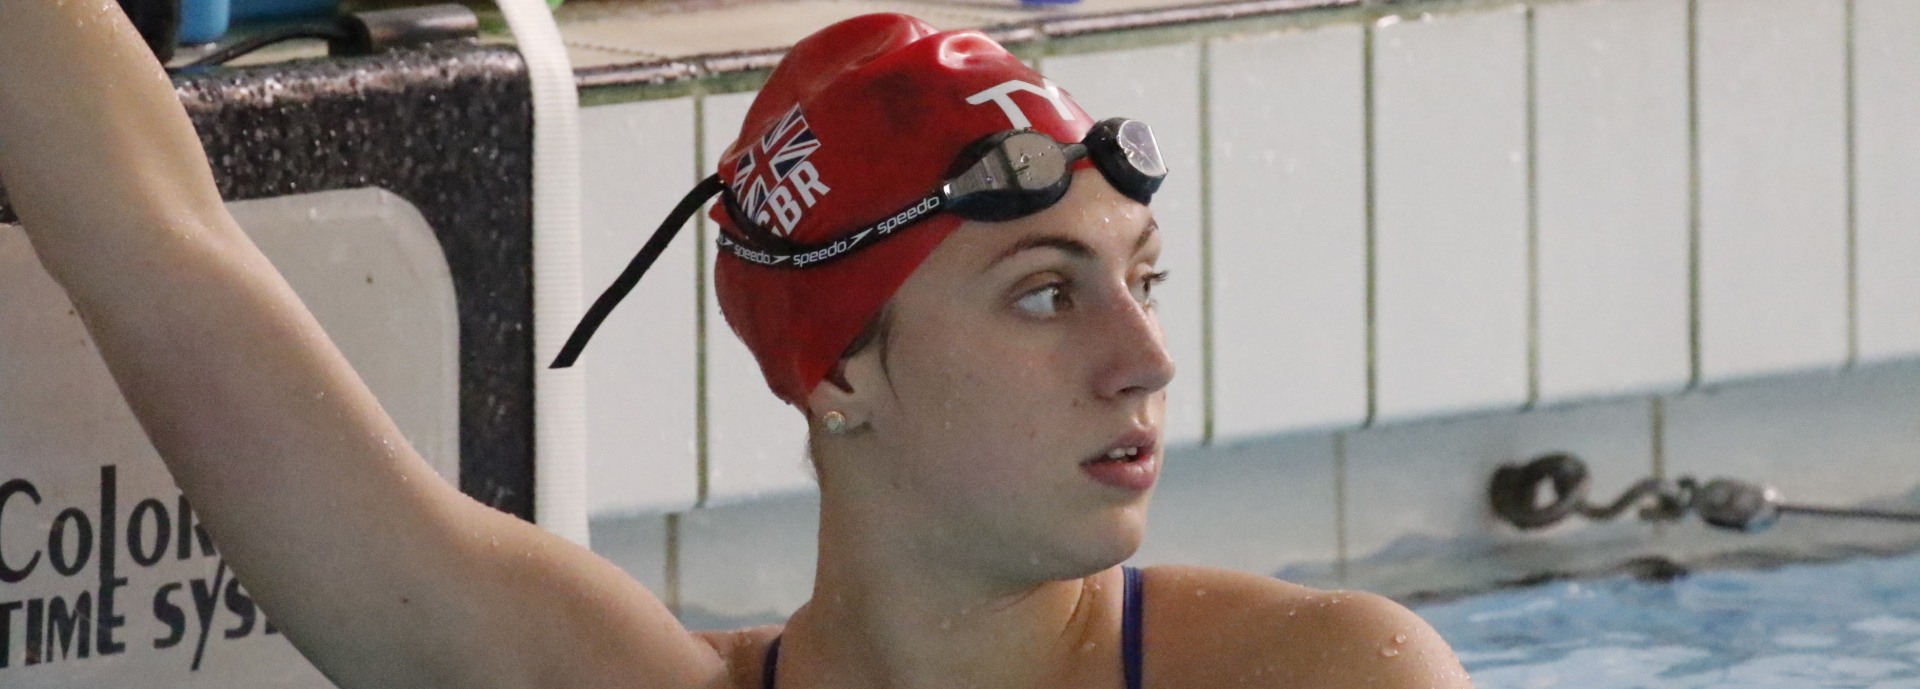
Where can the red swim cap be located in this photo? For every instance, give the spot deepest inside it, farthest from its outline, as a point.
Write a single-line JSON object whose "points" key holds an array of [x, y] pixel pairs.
{"points": [[859, 120]]}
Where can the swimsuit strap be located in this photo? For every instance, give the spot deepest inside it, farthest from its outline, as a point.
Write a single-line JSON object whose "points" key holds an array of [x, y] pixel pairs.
{"points": [[1130, 634]]}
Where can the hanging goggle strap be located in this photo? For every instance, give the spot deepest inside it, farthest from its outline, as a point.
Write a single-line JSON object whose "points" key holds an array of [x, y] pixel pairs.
{"points": [[590, 321]]}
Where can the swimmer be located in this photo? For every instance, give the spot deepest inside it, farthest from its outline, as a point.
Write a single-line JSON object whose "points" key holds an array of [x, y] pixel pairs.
{"points": [[984, 380]]}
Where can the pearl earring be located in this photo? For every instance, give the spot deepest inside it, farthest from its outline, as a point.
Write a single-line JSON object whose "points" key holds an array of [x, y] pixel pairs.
{"points": [[835, 422]]}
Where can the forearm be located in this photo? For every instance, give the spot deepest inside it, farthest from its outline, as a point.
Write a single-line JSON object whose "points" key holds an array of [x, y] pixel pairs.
{"points": [[261, 421], [93, 140]]}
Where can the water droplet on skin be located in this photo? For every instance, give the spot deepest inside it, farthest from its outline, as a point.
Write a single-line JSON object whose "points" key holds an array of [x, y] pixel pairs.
{"points": [[1399, 638], [1199, 593], [1389, 652]]}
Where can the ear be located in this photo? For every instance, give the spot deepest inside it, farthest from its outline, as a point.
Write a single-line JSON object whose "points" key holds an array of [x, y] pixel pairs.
{"points": [[852, 388]]}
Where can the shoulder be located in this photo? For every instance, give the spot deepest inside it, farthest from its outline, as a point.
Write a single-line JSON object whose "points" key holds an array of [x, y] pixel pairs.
{"points": [[1210, 626]]}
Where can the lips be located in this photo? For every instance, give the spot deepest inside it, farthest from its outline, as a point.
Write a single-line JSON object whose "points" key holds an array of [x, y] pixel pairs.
{"points": [[1130, 463]]}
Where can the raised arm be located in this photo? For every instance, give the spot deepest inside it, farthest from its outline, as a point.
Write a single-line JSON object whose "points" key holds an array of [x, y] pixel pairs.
{"points": [[377, 570]]}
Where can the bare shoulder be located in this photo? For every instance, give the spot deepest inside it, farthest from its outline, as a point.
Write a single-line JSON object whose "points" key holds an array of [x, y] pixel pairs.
{"points": [[1210, 627]]}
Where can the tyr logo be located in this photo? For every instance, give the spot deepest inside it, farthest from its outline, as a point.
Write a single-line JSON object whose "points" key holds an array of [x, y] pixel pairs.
{"points": [[1002, 96], [772, 172]]}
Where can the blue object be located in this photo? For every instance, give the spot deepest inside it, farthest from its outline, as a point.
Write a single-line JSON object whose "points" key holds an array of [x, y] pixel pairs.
{"points": [[251, 10], [203, 21]]}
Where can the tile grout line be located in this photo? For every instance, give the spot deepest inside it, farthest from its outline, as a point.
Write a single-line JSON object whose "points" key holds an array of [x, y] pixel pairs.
{"points": [[1340, 507], [1207, 363], [1657, 419], [1853, 195], [1370, 296], [1533, 211], [1657, 416], [1694, 327], [672, 564], [700, 402], [701, 462]]}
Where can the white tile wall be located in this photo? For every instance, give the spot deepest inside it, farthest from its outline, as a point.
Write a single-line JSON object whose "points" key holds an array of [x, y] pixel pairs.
{"points": [[1834, 439], [1287, 116], [1450, 223], [1430, 480], [1160, 87], [1450, 238], [636, 162], [1772, 127], [637, 543], [756, 444], [1256, 507], [751, 561], [1887, 150], [1614, 205]]}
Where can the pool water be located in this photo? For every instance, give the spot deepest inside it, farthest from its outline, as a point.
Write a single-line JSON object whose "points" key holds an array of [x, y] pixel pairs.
{"points": [[1808, 626]]}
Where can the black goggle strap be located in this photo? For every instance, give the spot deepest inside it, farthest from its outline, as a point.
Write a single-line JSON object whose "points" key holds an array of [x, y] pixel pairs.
{"points": [[814, 255], [597, 314]]}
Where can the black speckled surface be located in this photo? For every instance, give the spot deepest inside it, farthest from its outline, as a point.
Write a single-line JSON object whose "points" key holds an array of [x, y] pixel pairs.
{"points": [[450, 129]]}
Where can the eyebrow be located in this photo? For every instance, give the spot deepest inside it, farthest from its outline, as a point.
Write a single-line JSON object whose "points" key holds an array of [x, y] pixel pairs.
{"points": [[1068, 245]]}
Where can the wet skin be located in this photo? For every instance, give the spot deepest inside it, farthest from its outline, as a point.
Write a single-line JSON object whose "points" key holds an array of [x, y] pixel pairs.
{"points": [[962, 543]]}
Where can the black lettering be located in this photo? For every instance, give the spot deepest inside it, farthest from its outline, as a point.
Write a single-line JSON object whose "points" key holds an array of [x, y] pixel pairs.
{"points": [[204, 598], [109, 582], [169, 614], [108, 621], [136, 529], [7, 490], [62, 623], [6, 631], [57, 542], [36, 623], [242, 605], [190, 531]]}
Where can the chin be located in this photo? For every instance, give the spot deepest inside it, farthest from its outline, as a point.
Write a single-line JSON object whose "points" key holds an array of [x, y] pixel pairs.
{"points": [[1095, 545]]}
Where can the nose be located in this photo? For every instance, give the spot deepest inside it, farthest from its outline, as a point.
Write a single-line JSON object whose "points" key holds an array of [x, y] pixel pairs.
{"points": [[1134, 360]]}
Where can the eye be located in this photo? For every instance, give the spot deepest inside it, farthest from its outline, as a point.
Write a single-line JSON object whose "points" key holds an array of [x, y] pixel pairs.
{"points": [[1143, 291], [1046, 302]]}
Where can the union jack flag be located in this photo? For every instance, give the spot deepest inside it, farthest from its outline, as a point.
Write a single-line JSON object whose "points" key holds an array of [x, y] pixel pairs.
{"points": [[763, 167]]}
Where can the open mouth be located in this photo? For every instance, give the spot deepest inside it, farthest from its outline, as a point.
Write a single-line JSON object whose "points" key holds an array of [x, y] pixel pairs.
{"points": [[1129, 465], [1123, 455]]}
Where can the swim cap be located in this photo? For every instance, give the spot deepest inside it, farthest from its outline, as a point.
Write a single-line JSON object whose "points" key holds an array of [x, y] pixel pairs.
{"points": [[859, 120]]}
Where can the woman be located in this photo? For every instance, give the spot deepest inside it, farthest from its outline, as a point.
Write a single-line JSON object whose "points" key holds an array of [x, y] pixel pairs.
{"points": [[983, 371]]}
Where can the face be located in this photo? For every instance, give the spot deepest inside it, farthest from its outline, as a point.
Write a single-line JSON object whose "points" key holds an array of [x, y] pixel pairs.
{"points": [[1020, 353]]}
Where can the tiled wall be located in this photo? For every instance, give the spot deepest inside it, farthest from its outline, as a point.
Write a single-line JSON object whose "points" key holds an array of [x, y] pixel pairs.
{"points": [[1671, 236]]}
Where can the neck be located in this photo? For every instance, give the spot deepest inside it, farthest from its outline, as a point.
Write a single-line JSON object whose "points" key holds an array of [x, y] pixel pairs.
{"points": [[891, 613]]}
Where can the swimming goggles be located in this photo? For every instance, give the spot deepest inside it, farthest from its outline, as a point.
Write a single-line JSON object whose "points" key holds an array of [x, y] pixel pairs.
{"points": [[1001, 177]]}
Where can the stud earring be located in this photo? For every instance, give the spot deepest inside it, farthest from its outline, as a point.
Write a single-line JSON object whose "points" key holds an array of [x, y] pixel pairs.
{"points": [[835, 422]]}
